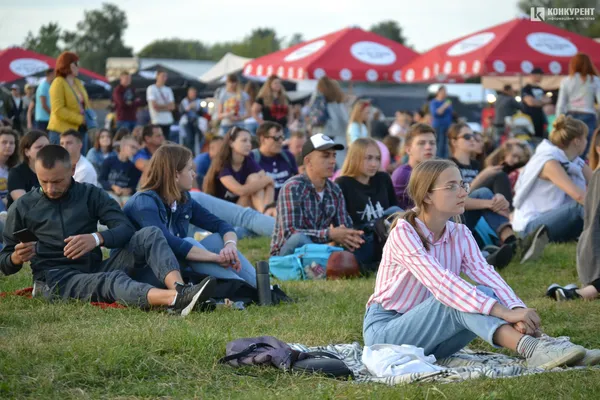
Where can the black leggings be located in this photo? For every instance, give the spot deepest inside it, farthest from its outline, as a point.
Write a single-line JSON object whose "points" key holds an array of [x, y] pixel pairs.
{"points": [[498, 183], [596, 284]]}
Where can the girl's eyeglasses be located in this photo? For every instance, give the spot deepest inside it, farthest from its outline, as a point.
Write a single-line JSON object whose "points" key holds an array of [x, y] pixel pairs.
{"points": [[453, 187]]}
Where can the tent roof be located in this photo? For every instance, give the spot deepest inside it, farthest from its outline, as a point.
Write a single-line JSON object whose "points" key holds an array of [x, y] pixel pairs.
{"points": [[16, 63], [230, 63]]}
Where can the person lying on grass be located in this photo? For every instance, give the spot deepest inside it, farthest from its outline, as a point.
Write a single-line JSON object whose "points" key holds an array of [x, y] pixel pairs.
{"points": [[164, 202], [420, 298], [66, 259]]}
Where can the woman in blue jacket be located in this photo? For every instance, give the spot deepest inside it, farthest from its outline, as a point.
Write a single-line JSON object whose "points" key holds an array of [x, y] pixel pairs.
{"points": [[164, 202]]}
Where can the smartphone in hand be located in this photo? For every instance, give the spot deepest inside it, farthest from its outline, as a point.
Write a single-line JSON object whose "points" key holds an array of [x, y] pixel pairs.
{"points": [[25, 236]]}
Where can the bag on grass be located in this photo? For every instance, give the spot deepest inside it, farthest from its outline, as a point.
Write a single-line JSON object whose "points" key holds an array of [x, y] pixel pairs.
{"points": [[267, 350], [294, 267]]}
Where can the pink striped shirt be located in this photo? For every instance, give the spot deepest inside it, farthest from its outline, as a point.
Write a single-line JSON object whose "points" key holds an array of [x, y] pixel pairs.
{"points": [[409, 274]]}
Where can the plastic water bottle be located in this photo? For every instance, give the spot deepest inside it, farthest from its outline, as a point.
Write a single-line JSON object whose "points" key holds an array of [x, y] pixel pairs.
{"points": [[263, 283]]}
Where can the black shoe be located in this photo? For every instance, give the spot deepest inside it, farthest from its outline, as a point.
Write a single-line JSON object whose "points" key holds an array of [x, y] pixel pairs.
{"points": [[562, 294], [552, 289], [189, 295], [533, 244], [501, 258]]}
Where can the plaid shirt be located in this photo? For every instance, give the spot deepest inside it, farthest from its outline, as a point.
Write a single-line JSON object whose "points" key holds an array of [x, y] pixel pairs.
{"points": [[300, 210]]}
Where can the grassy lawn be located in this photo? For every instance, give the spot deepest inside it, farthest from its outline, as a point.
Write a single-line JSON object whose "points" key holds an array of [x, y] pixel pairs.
{"points": [[78, 351]]}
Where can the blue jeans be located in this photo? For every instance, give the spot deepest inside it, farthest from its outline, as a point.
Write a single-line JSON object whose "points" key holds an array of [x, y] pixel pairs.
{"points": [[41, 125], [245, 219], [293, 242], [214, 243], [54, 137], [564, 224], [440, 330], [496, 221], [191, 131], [590, 121], [441, 131], [126, 124]]}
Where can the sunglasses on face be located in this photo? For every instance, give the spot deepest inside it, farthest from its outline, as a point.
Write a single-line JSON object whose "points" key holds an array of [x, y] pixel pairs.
{"points": [[275, 138], [467, 136], [75, 63], [453, 187]]}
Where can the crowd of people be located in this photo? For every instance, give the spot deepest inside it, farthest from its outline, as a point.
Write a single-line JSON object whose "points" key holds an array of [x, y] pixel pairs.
{"points": [[417, 203]]}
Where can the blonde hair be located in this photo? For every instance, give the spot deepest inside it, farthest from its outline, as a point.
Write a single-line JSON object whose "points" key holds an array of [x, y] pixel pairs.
{"points": [[355, 116], [266, 93], [497, 156], [356, 156], [566, 129], [421, 182]]}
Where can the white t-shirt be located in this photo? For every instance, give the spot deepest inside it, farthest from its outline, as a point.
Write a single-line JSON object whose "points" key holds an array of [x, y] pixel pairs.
{"points": [[85, 172], [162, 96]]}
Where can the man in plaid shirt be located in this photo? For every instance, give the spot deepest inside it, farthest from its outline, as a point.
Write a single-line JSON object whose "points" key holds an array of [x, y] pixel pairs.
{"points": [[310, 207]]}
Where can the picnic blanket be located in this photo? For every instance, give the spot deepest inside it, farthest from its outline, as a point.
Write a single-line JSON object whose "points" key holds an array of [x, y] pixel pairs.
{"points": [[28, 293], [464, 365]]}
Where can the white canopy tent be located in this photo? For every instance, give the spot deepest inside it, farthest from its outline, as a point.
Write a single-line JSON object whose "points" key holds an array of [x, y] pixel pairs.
{"points": [[230, 63]]}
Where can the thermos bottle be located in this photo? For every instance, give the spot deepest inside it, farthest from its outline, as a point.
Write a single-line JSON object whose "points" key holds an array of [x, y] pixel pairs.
{"points": [[263, 283]]}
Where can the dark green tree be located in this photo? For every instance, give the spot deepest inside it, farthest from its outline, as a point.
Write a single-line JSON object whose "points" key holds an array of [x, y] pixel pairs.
{"points": [[47, 40], [296, 38], [176, 48], [99, 36], [260, 42], [389, 29]]}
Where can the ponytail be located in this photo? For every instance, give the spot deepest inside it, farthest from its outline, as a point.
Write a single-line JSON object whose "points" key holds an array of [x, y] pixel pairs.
{"points": [[410, 216]]}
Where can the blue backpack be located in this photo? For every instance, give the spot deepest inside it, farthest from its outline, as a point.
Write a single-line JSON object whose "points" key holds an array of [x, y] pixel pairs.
{"points": [[291, 267]]}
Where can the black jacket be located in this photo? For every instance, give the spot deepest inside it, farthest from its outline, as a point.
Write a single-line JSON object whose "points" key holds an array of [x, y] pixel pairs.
{"points": [[52, 221]]}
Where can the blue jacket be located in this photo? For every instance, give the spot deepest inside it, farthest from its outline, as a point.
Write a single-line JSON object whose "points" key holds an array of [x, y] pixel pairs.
{"points": [[146, 208]]}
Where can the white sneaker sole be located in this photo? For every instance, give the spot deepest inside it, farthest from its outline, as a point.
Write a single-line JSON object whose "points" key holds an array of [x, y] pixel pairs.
{"points": [[190, 307], [537, 247], [573, 356]]}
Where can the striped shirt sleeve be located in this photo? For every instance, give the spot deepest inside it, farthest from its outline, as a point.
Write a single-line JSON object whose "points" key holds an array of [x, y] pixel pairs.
{"points": [[477, 268], [447, 287]]}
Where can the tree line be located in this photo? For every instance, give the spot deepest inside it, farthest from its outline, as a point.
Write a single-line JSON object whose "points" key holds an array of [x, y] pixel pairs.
{"points": [[99, 35]]}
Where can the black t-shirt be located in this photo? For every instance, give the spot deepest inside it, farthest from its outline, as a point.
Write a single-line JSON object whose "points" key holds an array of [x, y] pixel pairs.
{"points": [[468, 172], [21, 177], [366, 203], [536, 113], [276, 113]]}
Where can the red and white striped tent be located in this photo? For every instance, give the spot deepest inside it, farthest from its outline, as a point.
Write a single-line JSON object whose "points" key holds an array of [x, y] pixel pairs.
{"points": [[350, 54]]}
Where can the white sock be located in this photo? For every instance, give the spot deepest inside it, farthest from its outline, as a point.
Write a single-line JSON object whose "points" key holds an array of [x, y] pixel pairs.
{"points": [[174, 300]]}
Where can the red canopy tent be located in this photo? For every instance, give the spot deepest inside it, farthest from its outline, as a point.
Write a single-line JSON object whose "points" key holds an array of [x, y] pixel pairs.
{"points": [[16, 63], [349, 55], [509, 49]]}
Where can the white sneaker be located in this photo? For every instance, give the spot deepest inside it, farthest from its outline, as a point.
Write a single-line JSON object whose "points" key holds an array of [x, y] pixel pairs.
{"points": [[550, 354]]}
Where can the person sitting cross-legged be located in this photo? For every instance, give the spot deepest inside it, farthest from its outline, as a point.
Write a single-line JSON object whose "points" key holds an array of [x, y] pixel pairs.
{"points": [[310, 207], [420, 298], [66, 259], [163, 201]]}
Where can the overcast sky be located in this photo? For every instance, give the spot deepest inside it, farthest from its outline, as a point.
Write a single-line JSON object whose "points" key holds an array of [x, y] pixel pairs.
{"points": [[425, 22]]}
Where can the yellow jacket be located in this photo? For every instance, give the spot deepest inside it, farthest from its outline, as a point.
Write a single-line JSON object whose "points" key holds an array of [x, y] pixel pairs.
{"points": [[65, 109]]}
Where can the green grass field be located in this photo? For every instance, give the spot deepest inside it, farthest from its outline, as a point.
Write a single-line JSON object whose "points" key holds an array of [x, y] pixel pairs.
{"points": [[75, 350]]}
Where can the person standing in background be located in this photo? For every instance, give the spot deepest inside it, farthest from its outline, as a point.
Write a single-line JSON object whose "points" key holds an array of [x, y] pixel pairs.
{"points": [[126, 104], [16, 108], [578, 92], [234, 105], [441, 110], [42, 102], [161, 103], [534, 99]]}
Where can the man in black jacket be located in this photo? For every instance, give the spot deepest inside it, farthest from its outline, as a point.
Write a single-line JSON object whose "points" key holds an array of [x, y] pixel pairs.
{"points": [[66, 259]]}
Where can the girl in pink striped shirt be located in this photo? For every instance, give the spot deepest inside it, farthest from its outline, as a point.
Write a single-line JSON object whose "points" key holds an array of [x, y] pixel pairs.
{"points": [[420, 298]]}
